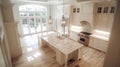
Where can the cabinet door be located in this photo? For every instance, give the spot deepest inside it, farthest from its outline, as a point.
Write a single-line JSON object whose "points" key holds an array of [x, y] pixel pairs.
{"points": [[74, 36], [98, 44], [60, 57]]}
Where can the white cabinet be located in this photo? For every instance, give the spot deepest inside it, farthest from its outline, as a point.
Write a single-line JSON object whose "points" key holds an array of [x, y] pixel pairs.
{"points": [[74, 36], [98, 43], [60, 57]]}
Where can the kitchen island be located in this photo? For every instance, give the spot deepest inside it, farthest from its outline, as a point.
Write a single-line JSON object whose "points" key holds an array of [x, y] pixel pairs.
{"points": [[65, 48]]}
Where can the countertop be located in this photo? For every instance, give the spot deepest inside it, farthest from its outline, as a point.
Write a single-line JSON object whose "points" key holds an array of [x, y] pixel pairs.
{"points": [[103, 35], [100, 37], [65, 45]]}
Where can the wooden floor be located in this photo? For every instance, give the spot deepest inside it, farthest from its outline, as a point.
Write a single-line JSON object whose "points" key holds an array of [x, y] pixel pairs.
{"points": [[45, 57]]}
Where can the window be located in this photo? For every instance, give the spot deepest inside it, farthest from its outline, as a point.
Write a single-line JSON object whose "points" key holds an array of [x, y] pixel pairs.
{"points": [[33, 19], [106, 9], [99, 10], [112, 9]]}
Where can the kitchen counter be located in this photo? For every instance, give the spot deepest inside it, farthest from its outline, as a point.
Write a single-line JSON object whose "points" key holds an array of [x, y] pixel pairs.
{"points": [[64, 48], [64, 45], [99, 40], [100, 37]]}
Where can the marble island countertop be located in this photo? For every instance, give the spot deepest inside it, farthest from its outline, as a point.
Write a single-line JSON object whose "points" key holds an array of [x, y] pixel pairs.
{"points": [[65, 45]]}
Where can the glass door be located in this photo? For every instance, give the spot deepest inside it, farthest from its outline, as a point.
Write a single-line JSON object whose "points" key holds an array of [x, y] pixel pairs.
{"points": [[38, 24], [32, 25], [25, 26], [33, 20], [44, 24]]}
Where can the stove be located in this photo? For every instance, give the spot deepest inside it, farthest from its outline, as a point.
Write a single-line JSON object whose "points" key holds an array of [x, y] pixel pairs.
{"points": [[84, 38]]}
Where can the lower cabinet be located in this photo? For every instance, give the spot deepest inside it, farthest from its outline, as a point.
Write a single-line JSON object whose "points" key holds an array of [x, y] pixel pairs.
{"points": [[60, 57], [98, 43], [74, 36]]}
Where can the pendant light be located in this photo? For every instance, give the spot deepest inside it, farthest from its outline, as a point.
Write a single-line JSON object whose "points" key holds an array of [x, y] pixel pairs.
{"points": [[63, 23], [50, 18]]}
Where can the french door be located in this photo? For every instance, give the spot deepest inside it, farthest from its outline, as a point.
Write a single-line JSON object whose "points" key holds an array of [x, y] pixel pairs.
{"points": [[33, 25]]}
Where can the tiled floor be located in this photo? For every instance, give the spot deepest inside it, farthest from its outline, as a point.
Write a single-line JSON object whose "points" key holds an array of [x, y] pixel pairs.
{"points": [[36, 56]]}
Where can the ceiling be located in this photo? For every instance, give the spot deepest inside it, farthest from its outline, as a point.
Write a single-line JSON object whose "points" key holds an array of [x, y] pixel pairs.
{"points": [[54, 2], [36, 1]]}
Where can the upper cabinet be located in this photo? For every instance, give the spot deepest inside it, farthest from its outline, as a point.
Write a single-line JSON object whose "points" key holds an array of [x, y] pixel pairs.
{"points": [[82, 11], [104, 15]]}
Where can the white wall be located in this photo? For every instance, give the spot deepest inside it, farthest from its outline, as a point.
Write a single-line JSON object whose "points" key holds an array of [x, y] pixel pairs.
{"points": [[2, 62], [1, 21], [58, 13], [10, 30], [113, 54], [4, 48]]}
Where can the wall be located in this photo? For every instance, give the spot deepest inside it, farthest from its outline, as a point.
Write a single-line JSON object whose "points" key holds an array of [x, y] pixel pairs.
{"points": [[0, 15], [5, 56], [113, 54], [10, 29], [58, 13], [103, 21], [2, 62]]}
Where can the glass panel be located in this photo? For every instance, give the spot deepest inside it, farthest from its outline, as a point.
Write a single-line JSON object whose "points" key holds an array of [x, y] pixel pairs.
{"points": [[31, 14], [32, 25], [44, 24], [35, 18], [38, 24], [25, 26], [37, 14]]}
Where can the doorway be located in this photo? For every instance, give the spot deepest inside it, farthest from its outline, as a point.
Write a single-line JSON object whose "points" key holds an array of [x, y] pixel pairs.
{"points": [[33, 19]]}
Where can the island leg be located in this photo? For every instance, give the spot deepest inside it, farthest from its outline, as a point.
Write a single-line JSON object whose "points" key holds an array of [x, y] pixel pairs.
{"points": [[66, 60]]}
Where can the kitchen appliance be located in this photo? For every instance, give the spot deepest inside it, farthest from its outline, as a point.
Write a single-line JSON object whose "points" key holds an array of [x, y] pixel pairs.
{"points": [[84, 38]]}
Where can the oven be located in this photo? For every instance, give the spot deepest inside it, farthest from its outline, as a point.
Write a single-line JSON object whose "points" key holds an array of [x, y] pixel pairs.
{"points": [[84, 38]]}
